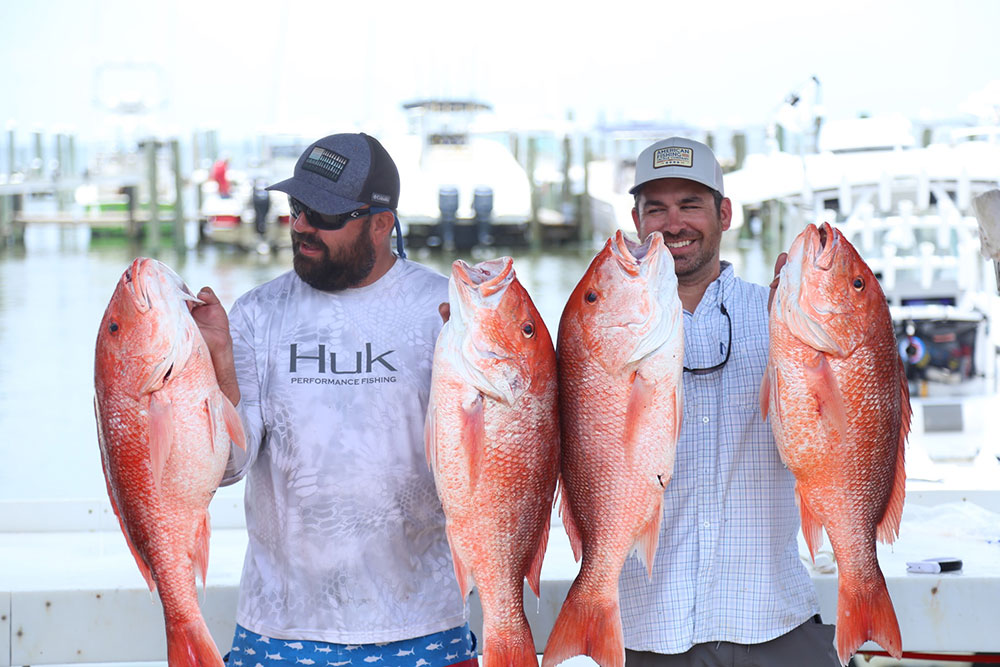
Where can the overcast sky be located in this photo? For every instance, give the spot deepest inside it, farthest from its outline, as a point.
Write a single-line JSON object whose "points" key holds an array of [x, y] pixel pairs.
{"points": [[247, 66]]}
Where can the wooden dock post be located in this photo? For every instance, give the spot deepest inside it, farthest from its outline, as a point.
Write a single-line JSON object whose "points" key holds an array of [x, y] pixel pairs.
{"points": [[535, 226], [38, 164], [585, 226], [739, 149], [175, 149], [11, 151], [153, 223]]}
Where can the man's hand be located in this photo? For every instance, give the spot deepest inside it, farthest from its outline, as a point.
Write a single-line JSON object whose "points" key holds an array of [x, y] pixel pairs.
{"points": [[213, 323], [780, 262]]}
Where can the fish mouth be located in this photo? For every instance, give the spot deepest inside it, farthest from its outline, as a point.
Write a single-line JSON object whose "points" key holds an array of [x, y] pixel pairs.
{"points": [[488, 278], [635, 259], [824, 242]]}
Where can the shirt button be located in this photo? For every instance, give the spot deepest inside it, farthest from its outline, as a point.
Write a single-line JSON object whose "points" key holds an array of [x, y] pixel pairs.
{"points": [[708, 524], [704, 420]]}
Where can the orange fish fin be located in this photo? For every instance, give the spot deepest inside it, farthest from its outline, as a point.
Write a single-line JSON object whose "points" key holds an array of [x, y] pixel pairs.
{"points": [[190, 644], [639, 400], [865, 615], [765, 391], [812, 527], [474, 437], [161, 435], [888, 527], [534, 575], [462, 574], [823, 385], [514, 648], [430, 435], [143, 568], [569, 521], [586, 625], [200, 556], [645, 544], [234, 425]]}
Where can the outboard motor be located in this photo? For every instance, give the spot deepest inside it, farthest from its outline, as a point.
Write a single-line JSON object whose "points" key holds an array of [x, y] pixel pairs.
{"points": [[448, 205], [482, 206]]}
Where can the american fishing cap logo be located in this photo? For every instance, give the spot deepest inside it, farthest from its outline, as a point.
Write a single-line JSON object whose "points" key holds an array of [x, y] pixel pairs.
{"points": [[326, 163], [673, 156]]}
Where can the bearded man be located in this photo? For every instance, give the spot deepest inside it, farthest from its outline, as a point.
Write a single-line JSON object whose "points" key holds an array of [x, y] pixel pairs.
{"points": [[329, 366]]}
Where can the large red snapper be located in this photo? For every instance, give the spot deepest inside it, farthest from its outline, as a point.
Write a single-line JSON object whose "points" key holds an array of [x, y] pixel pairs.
{"points": [[837, 395], [621, 352], [492, 435], [164, 429]]}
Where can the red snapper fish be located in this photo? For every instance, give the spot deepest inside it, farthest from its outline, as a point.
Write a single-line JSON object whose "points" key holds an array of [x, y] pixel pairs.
{"points": [[492, 436], [164, 429], [836, 391], [621, 352]]}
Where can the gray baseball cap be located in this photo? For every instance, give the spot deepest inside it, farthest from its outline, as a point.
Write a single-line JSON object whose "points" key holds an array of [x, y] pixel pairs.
{"points": [[343, 172], [678, 157]]}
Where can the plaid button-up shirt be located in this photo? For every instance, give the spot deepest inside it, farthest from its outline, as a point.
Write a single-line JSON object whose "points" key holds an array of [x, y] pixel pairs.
{"points": [[727, 567]]}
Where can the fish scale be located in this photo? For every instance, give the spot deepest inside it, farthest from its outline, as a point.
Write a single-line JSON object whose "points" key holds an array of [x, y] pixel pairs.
{"points": [[838, 400]]}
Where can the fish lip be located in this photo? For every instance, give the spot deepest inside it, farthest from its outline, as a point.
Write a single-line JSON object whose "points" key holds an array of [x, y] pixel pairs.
{"points": [[824, 242], [489, 277]]}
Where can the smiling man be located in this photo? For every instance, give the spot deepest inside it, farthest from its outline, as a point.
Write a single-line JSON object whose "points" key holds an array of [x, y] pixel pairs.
{"points": [[728, 587]]}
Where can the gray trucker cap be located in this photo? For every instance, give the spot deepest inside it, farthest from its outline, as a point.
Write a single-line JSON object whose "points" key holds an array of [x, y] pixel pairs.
{"points": [[678, 157]]}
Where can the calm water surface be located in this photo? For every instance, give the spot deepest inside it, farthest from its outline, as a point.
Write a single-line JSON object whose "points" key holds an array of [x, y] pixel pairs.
{"points": [[53, 292]]}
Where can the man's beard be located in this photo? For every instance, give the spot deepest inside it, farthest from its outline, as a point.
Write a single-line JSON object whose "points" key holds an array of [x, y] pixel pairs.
{"points": [[332, 274]]}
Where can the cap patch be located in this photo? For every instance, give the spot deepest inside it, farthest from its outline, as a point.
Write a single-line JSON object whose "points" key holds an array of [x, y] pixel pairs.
{"points": [[326, 163], [673, 156], [378, 196]]}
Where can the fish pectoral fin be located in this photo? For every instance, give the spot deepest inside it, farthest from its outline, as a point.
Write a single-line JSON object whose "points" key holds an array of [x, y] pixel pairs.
{"points": [[822, 384], [234, 424], [640, 400], [161, 436], [474, 436], [430, 435]]}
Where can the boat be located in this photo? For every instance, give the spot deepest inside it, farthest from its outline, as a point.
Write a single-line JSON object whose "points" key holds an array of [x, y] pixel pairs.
{"points": [[906, 206], [232, 219], [460, 188]]}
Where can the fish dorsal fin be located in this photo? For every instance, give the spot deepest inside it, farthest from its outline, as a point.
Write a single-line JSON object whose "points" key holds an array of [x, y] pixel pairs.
{"points": [[161, 436], [888, 526], [143, 568]]}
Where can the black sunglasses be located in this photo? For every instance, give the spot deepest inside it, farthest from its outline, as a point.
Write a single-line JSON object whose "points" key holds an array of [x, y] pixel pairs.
{"points": [[322, 220], [729, 348]]}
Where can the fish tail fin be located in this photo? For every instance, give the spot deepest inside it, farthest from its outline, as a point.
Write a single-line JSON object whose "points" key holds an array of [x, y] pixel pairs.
{"points": [[510, 651], [586, 628], [812, 527], [867, 614], [190, 644], [888, 527]]}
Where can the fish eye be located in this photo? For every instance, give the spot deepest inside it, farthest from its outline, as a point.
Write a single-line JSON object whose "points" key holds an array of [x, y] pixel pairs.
{"points": [[113, 327], [528, 329], [591, 296], [859, 284]]}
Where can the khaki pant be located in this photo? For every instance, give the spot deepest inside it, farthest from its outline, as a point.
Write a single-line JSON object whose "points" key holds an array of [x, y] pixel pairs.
{"points": [[809, 645]]}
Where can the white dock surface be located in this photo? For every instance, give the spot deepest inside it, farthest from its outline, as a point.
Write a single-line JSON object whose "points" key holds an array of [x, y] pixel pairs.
{"points": [[76, 596]]}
